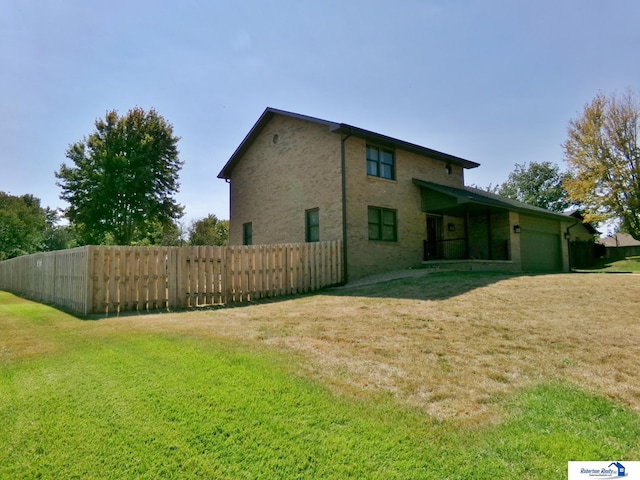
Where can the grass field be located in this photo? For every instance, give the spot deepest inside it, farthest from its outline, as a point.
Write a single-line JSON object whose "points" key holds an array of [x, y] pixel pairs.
{"points": [[444, 375], [628, 265]]}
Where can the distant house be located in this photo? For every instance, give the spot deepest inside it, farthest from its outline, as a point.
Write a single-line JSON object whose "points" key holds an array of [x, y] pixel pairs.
{"points": [[620, 246], [394, 204], [619, 240]]}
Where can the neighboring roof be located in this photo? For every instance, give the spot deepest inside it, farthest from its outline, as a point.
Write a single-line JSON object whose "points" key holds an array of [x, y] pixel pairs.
{"points": [[342, 128], [619, 240], [475, 196]]}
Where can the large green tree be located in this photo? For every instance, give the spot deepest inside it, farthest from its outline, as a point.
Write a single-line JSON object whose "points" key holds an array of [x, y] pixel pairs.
{"points": [[538, 184], [209, 231], [603, 154], [122, 178], [23, 225]]}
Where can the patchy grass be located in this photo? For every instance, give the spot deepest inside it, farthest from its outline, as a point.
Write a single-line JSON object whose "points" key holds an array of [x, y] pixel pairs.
{"points": [[628, 265], [456, 375]]}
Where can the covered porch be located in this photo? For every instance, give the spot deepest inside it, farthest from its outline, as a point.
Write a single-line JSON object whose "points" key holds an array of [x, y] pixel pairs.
{"points": [[463, 226]]}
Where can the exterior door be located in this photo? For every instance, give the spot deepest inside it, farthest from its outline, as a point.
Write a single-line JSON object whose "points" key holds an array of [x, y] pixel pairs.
{"points": [[433, 244]]}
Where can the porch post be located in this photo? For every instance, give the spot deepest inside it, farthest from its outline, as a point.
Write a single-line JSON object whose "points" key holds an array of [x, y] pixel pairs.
{"points": [[489, 241], [466, 232]]}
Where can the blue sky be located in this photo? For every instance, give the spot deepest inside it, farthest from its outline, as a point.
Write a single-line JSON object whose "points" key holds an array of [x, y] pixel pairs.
{"points": [[492, 81]]}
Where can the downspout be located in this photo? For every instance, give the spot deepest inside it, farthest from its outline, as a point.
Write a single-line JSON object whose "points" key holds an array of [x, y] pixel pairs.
{"points": [[343, 153], [568, 238], [489, 236], [466, 233], [228, 182]]}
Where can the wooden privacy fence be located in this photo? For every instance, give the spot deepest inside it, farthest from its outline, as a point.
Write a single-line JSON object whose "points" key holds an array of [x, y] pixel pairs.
{"points": [[103, 279], [61, 277]]}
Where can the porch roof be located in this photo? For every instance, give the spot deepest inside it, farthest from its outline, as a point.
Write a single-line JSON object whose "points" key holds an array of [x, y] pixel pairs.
{"points": [[470, 197]]}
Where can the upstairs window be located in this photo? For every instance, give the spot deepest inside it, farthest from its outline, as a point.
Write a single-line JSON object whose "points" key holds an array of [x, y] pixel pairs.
{"points": [[312, 229], [380, 162], [383, 224], [247, 234]]}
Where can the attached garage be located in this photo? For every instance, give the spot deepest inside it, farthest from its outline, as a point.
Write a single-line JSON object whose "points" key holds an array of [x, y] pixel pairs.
{"points": [[490, 228], [540, 245]]}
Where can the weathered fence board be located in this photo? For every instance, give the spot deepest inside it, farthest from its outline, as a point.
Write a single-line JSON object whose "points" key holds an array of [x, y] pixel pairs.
{"points": [[108, 279]]}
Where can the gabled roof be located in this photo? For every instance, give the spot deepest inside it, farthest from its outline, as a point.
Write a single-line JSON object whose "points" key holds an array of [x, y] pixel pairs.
{"points": [[474, 196], [340, 128], [588, 226]]}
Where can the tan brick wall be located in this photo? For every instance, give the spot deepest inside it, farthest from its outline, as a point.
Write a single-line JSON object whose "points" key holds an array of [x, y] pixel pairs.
{"points": [[368, 257], [579, 233], [293, 166], [514, 240], [565, 247]]}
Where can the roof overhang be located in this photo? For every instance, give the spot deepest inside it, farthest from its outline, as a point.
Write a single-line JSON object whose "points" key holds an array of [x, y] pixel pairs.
{"points": [[587, 225], [339, 128], [472, 198], [255, 131], [391, 142]]}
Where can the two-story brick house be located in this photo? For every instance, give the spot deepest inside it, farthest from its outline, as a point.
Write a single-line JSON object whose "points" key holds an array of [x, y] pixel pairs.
{"points": [[394, 204]]}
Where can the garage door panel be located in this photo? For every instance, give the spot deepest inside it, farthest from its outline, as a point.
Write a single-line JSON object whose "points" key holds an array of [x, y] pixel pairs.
{"points": [[540, 251]]}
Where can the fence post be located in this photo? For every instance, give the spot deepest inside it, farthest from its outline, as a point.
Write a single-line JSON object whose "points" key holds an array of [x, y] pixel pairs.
{"points": [[88, 297], [171, 278]]}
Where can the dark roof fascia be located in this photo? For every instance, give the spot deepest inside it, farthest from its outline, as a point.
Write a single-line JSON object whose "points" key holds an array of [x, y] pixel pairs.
{"points": [[384, 140], [257, 128], [479, 197], [341, 128]]}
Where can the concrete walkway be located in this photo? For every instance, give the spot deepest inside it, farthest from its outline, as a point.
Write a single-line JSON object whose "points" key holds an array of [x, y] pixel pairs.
{"points": [[385, 277]]}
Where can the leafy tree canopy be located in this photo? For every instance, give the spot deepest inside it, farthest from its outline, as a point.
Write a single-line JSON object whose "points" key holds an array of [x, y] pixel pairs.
{"points": [[122, 179], [209, 231], [539, 184], [603, 155], [23, 225]]}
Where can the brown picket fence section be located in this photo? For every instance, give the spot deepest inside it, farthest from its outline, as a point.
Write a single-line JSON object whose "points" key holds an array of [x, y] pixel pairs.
{"points": [[107, 279]]}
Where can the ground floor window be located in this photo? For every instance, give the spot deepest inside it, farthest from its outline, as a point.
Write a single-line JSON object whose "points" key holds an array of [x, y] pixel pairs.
{"points": [[312, 228], [247, 233], [383, 224]]}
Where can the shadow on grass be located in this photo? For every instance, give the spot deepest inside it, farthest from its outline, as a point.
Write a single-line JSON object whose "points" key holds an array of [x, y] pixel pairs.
{"points": [[412, 285], [428, 286]]}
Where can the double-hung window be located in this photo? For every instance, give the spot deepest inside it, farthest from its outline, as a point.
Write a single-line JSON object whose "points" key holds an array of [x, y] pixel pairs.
{"points": [[383, 224], [312, 227], [380, 162]]}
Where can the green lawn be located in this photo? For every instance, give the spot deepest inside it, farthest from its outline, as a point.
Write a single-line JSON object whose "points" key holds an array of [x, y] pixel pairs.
{"points": [[95, 399], [628, 265]]}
